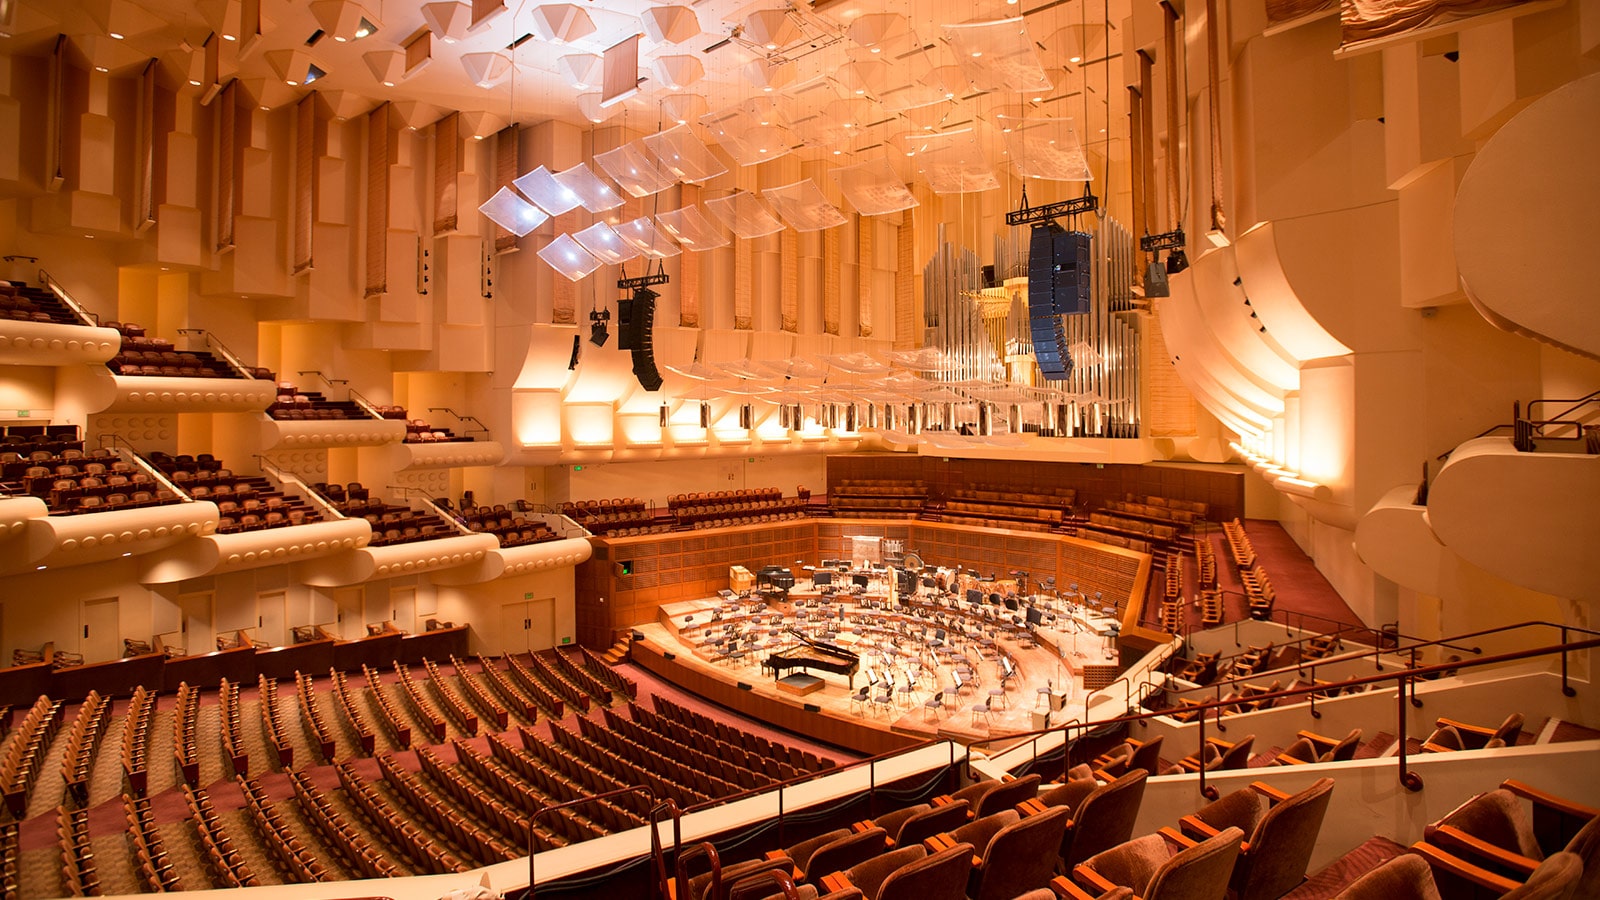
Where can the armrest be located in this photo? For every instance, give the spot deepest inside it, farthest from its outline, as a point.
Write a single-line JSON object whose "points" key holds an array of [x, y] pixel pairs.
{"points": [[1465, 727], [1282, 760], [1066, 890], [1031, 807], [836, 881], [1544, 798], [1192, 825], [1268, 791], [1442, 860], [1455, 839], [1181, 841], [1092, 879], [1323, 743], [1431, 747]]}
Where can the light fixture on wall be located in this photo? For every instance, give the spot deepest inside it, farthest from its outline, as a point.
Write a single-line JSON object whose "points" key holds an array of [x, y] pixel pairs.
{"points": [[747, 416], [664, 415], [577, 350], [705, 414]]}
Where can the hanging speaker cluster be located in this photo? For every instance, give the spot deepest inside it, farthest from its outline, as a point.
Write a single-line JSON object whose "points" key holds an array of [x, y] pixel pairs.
{"points": [[1058, 285], [635, 317]]}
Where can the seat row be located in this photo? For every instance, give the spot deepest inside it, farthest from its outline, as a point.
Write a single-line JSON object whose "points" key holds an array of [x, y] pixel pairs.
{"points": [[316, 727], [1239, 546], [83, 745], [580, 674], [154, 869], [229, 714], [77, 854], [354, 719], [339, 832], [422, 709], [272, 723], [668, 765], [551, 702], [755, 743], [475, 842], [562, 776], [297, 861], [185, 749], [511, 823], [135, 741], [502, 687], [10, 852], [414, 843], [623, 770], [228, 866], [388, 716], [454, 707], [698, 760], [607, 673], [579, 696], [480, 697], [776, 770], [1258, 588], [573, 824]]}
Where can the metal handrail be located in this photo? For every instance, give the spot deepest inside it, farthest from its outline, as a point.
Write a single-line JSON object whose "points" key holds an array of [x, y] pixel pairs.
{"points": [[533, 849], [118, 442], [77, 308], [222, 350], [367, 406], [460, 418], [329, 511], [1577, 404], [1405, 679]]}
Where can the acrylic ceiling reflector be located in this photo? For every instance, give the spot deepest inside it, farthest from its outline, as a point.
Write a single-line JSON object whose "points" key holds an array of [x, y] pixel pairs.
{"points": [[751, 132], [682, 154], [745, 215], [769, 75], [486, 69], [670, 24], [690, 227], [606, 245], [580, 70], [682, 108], [678, 72], [951, 161], [873, 188], [997, 56], [595, 195], [561, 23], [513, 213], [568, 257], [917, 83], [633, 168], [1044, 148], [874, 29], [590, 107], [644, 237], [541, 187], [770, 28], [803, 206]]}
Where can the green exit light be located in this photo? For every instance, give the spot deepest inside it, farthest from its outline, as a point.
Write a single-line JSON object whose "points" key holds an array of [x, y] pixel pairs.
{"points": [[566, 640], [528, 595], [24, 413], [577, 468]]}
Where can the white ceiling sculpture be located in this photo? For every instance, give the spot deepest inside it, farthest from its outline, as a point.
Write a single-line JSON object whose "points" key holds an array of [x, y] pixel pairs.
{"points": [[670, 24]]}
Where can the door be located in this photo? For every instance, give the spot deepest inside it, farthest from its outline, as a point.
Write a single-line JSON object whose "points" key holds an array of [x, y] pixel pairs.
{"points": [[347, 604], [514, 626], [403, 608], [270, 612], [99, 634], [528, 625], [199, 635]]}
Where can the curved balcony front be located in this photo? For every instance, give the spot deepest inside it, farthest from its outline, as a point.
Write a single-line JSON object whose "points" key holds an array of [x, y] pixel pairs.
{"points": [[53, 344], [84, 538], [394, 560], [304, 434], [211, 554], [522, 560]]}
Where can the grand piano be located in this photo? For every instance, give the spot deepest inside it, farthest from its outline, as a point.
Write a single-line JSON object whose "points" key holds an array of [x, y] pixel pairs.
{"points": [[811, 653]]}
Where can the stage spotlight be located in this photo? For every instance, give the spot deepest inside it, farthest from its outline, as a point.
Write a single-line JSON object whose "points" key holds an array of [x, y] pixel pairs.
{"points": [[1176, 261], [598, 332]]}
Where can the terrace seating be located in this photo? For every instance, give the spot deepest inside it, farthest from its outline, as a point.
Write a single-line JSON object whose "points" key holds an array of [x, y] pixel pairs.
{"points": [[1102, 815], [1154, 871], [878, 498], [295, 404], [1310, 747], [1218, 755], [1280, 838], [141, 356], [511, 529], [418, 431], [1493, 834], [1450, 734], [246, 502], [1129, 755], [1014, 854], [31, 303]]}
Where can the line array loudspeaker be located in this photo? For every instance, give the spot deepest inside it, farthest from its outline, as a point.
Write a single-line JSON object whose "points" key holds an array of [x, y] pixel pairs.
{"points": [[635, 318], [1058, 285]]}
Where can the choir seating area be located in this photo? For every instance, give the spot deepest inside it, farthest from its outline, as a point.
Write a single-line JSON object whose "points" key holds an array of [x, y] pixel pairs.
{"points": [[630, 517], [418, 431], [511, 528], [49, 462]]}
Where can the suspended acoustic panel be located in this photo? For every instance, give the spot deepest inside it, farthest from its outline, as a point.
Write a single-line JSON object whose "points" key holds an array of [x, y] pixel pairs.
{"points": [[568, 257], [541, 187], [997, 55], [595, 195], [682, 154], [745, 215], [682, 108], [670, 24], [771, 28], [803, 206], [605, 244], [633, 168], [561, 23], [873, 188], [592, 107], [767, 74], [1046, 148], [751, 132], [581, 70], [950, 161], [690, 227], [643, 236], [678, 72], [486, 69]]}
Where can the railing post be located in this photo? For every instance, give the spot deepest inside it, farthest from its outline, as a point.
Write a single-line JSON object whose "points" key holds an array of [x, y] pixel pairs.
{"points": [[1409, 779], [1567, 689], [1210, 793]]}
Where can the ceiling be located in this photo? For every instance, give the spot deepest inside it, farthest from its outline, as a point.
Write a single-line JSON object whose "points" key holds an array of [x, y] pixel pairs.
{"points": [[849, 80]]}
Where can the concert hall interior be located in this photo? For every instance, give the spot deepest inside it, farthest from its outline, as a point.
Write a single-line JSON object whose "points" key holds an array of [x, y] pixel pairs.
{"points": [[1014, 448]]}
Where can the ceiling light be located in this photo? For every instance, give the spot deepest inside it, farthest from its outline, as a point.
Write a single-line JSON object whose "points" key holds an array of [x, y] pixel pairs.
{"points": [[976, 54], [229, 37], [116, 36], [101, 69], [1074, 59]]}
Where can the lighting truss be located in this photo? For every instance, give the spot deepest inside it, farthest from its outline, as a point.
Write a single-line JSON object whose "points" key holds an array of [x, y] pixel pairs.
{"points": [[1166, 240], [1038, 215]]}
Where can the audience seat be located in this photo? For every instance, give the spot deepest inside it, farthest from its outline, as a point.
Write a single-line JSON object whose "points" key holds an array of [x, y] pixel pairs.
{"points": [[987, 797], [1273, 859], [1149, 867], [1310, 747], [1102, 815], [1411, 877], [1013, 854], [910, 873]]}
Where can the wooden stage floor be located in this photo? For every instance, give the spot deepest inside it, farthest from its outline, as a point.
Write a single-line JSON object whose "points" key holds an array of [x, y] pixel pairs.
{"points": [[892, 642]]}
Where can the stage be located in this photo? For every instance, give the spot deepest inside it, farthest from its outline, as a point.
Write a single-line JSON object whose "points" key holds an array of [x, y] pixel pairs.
{"points": [[905, 650]]}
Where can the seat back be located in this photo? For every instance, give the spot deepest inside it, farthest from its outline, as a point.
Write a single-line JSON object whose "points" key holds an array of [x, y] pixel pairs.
{"points": [[1148, 756], [1555, 879], [1495, 817], [841, 854], [1405, 877], [1105, 818], [932, 821], [1346, 748], [1007, 795], [1280, 848], [1021, 857], [942, 876], [1198, 873], [1238, 756]]}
